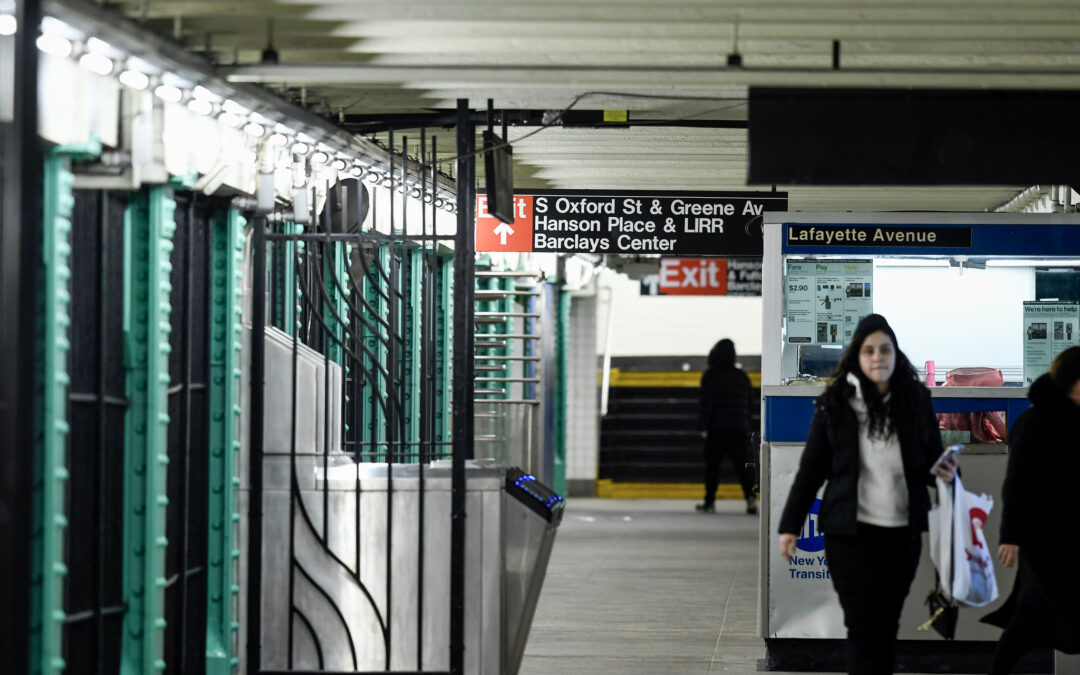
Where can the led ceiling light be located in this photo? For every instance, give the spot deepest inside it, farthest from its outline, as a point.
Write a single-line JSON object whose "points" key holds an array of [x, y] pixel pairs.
{"points": [[134, 79], [278, 140], [8, 24], [200, 106], [54, 45], [99, 46], [203, 94], [320, 157], [229, 119], [169, 93], [254, 129], [339, 164], [372, 177], [300, 148], [234, 108], [356, 172], [96, 63]]}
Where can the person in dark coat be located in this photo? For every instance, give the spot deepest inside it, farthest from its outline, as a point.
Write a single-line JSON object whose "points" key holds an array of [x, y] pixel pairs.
{"points": [[1039, 497], [874, 439], [724, 422]]}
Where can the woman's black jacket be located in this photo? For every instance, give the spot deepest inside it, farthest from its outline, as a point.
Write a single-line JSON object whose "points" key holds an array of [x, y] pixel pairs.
{"points": [[832, 454], [1038, 513]]}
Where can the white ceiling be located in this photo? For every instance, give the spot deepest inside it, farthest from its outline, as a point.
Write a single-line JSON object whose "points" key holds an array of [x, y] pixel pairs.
{"points": [[659, 60]]}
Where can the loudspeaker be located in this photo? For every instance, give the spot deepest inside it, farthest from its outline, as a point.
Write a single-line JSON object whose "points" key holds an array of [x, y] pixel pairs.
{"points": [[348, 203]]}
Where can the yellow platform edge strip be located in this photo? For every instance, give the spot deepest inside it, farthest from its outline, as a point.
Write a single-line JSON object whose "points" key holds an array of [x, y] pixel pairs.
{"points": [[605, 487], [674, 378]]}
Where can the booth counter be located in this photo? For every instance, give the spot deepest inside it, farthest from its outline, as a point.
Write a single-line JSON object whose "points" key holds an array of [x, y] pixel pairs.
{"points": [[960, 290]]}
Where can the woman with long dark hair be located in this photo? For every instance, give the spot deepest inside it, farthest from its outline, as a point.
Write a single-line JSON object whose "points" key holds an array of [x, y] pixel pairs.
{"points": [[1038, 497], [874, 439]]}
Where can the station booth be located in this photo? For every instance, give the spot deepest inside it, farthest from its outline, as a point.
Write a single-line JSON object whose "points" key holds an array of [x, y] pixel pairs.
{"points": [[981, 304]]}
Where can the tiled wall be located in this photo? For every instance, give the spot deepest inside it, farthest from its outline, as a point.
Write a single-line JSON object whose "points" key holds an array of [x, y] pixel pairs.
{"points": [[582, 434]]}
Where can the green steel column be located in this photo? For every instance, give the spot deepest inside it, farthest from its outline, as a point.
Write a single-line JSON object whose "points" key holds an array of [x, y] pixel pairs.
{"points": [[294, 288], [511, 325], [288, 276], [444, 350], [336, 304], [413, 308], [50, 470], [222, 552], [562, 367], [284, 281], [285, 310], [276, 253], [148, 231], [375, 337], [347, 363]]}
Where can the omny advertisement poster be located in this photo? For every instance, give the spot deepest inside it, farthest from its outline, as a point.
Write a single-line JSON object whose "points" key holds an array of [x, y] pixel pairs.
{"points": [[802, 602], [824, 300], [630, 222], [1049, 329]]}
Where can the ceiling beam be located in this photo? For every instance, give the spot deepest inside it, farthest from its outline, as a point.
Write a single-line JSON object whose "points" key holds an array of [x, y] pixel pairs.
{"points": [[645, 79]]}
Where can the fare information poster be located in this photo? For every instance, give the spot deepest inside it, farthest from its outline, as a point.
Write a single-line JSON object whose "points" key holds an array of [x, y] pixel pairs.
{"points": [[825, 299], [1049, 329]]}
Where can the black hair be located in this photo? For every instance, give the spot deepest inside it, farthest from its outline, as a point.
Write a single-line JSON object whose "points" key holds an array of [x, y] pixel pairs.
{"points": [[1065, 370], [908, 398], [722, 355]]}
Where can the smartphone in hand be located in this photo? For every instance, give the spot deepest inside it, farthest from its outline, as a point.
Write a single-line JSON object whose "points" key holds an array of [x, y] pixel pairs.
{"points": [[950, 452]]}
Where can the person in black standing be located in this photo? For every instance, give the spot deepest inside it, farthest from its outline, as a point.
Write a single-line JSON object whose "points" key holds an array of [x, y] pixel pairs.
{"points": [[874, 438], [724, 422], [1039, 499]]}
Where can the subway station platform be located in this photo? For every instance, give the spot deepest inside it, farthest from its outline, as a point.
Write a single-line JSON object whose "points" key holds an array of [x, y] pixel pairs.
{"points": [[649, 586]]}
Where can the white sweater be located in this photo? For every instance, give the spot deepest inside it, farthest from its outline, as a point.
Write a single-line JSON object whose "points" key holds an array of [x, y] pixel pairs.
{"points": [[883, 492]]}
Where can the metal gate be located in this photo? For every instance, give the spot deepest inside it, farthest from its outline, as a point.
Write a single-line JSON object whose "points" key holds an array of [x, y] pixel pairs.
{"points": [[106, 487], [361, 347], [97, 404]]}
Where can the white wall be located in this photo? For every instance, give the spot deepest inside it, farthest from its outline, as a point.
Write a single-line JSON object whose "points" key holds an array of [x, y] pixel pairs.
{"points": [[582, 399], [969, 319], [674, 325]]}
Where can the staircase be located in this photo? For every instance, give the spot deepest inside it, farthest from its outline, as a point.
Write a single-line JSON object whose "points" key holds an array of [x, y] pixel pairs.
{"points": [[508, 368], [649, 442], [650, 435]]}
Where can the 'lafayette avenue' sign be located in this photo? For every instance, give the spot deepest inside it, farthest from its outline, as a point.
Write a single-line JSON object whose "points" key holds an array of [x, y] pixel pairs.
{"points": [[878, 235], [668, 223]]}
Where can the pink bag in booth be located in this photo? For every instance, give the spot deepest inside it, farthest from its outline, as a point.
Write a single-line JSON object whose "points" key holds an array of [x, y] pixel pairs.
{"points": [[985, 427]]}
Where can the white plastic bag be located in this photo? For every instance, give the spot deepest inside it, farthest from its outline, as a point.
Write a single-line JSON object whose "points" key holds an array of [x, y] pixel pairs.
{"points": [[958, 547], [941, 539]]}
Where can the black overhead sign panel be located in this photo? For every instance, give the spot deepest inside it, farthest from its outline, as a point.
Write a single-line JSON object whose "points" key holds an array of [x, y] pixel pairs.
{"points": [[629, 222], [878, 236]]}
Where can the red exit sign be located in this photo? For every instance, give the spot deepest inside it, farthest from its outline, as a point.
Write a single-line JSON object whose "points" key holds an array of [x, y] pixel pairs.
{"points": [[693, 276]]}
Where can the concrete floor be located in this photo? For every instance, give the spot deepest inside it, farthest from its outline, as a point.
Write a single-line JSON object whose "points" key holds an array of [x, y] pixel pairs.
{"points": [[649, 586]]}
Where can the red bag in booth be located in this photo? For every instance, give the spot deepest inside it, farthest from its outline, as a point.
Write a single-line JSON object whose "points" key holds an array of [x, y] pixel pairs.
{"points": [[985, 427]]}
